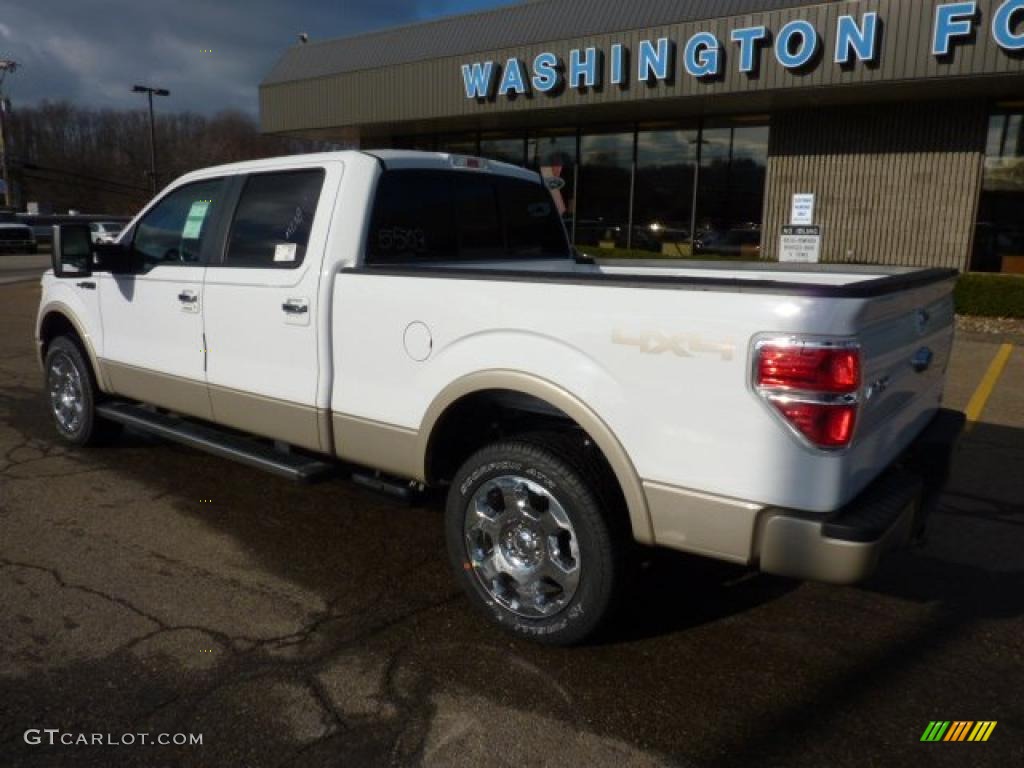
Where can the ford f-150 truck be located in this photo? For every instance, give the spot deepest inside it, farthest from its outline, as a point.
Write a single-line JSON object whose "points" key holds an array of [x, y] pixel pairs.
{"points": [[421, 320]]}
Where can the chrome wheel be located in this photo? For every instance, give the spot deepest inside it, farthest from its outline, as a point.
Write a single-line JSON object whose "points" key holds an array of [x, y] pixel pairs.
{"points": [[522, 547], [64, 383]]}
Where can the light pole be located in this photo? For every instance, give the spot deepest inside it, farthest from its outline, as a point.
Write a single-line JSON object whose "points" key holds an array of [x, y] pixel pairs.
{"points": [[6, 66], [151, 92]]}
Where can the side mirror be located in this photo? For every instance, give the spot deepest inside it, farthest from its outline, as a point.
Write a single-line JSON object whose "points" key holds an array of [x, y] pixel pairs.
{"points": [[76, 255], [72, 250], [115, 258]]}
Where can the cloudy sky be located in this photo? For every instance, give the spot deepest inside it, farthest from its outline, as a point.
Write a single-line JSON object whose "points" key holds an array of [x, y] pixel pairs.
{"points": [[92, 51]]}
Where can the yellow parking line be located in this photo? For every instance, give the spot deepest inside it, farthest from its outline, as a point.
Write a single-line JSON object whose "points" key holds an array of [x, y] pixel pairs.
{"points": [[988, 383]]}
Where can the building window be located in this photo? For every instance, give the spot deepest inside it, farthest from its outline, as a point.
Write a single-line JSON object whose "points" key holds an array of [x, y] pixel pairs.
{"points": [[554, 157], [462, 144], [663, 192], [730, 191], [999, 237], [427, 143], [507, 149], [605, 185], [679, 191]]}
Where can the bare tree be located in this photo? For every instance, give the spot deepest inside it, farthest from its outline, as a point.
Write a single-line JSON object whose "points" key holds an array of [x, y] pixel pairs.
{"points": [[97, 161]]}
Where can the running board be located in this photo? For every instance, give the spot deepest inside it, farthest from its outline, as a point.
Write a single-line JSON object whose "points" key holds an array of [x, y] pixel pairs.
{"points": [[403, 490], [292, 466]]}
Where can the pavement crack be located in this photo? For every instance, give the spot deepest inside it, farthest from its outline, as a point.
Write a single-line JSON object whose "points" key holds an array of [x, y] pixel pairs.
{"points": [[317, 689], [55, 574]]}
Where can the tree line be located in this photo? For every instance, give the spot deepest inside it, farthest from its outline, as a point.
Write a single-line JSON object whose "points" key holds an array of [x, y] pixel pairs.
{"points": [[65, 156]]}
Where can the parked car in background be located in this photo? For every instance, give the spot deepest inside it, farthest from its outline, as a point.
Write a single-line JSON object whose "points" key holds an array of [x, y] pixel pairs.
{"points": [[43, 234], [733, 242], [664, 238], [105, 231], [17, 238], [42, 223]]}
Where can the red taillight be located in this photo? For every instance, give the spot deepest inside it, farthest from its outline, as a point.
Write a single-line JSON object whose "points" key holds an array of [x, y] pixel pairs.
{"points": [[810, 369], [814, 387], [828, 426]]}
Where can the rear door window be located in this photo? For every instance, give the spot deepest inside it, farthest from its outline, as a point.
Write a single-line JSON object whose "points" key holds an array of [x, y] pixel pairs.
{"points": [[273, 219]]}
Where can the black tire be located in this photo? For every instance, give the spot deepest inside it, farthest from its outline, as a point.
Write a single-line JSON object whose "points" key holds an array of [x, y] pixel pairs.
{"points": [[90, 429], [558, 464]]}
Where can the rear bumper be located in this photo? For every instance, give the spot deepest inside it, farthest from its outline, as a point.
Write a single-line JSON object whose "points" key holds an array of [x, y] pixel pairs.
{"points": [[845, 546]]}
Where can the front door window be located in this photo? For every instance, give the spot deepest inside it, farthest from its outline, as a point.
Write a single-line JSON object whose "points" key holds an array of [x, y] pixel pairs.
{"points": [[173, 232]]}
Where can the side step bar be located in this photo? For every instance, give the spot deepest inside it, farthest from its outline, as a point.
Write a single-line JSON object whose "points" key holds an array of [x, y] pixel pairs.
{"points": [[292, 466], [403, 490]]}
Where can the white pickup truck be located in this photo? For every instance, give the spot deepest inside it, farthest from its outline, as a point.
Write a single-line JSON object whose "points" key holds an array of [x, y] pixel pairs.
{"points": [[421, 320]]}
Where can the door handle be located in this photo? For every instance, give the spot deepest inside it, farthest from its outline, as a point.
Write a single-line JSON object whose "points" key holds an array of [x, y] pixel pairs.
{"points": [[87, 284], [187, 297], [295, 307]]}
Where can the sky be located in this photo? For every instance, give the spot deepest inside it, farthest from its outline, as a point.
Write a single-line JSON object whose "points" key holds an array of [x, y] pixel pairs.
{"points": [[211, 54]]}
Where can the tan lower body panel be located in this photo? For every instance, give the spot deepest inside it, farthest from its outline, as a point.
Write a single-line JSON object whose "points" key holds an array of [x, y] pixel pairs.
{"points": [[706, 525], [381, 446], [172, 392], [798, 549], [299, 425], [292, 423]]}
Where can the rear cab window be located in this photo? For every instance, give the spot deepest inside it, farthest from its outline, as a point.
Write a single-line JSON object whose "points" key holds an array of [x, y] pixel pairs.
{"points": [[427, 216]]}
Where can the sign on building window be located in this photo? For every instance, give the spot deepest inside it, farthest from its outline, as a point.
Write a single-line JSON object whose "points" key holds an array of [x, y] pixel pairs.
{"points": [[802, 213], [800, 245]]}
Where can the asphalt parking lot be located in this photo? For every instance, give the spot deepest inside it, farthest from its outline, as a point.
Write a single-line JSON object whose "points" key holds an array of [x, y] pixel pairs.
{"points": [[17, 267], [147, 588]]}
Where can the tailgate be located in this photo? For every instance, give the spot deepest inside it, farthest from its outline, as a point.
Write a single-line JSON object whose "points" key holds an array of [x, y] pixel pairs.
{"points": [[906, 340]]}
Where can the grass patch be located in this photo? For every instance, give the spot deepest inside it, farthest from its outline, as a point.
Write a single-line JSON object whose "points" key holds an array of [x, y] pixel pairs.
{"points": [[990, 295]]}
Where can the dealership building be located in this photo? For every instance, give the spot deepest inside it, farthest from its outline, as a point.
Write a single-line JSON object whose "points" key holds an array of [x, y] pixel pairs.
{"points": [[862, 131]]}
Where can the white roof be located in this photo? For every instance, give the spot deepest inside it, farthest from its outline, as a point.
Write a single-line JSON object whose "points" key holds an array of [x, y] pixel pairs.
{"points": [[407, 158], [393, 158], [270, 163]]}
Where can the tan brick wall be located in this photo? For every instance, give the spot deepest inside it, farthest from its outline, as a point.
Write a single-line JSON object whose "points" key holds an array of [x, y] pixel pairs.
{"points": [[894, 184]]}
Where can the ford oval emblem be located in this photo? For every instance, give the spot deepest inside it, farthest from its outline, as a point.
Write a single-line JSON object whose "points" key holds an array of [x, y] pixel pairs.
{"points": [[554, 183]]}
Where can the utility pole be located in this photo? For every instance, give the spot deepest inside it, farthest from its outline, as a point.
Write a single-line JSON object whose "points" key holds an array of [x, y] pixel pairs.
{"points": [[151, 92], [6, 66]]}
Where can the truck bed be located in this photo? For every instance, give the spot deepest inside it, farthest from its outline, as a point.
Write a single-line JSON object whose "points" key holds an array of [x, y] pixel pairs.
{"points": [[663, 354], [823, 280]]}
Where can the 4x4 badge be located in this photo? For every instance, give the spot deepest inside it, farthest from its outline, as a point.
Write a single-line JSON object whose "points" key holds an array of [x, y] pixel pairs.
{"points": [[679, 344]]}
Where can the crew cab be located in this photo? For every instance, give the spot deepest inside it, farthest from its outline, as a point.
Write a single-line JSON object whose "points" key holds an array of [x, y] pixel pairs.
{"points": [[420, 319]]}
